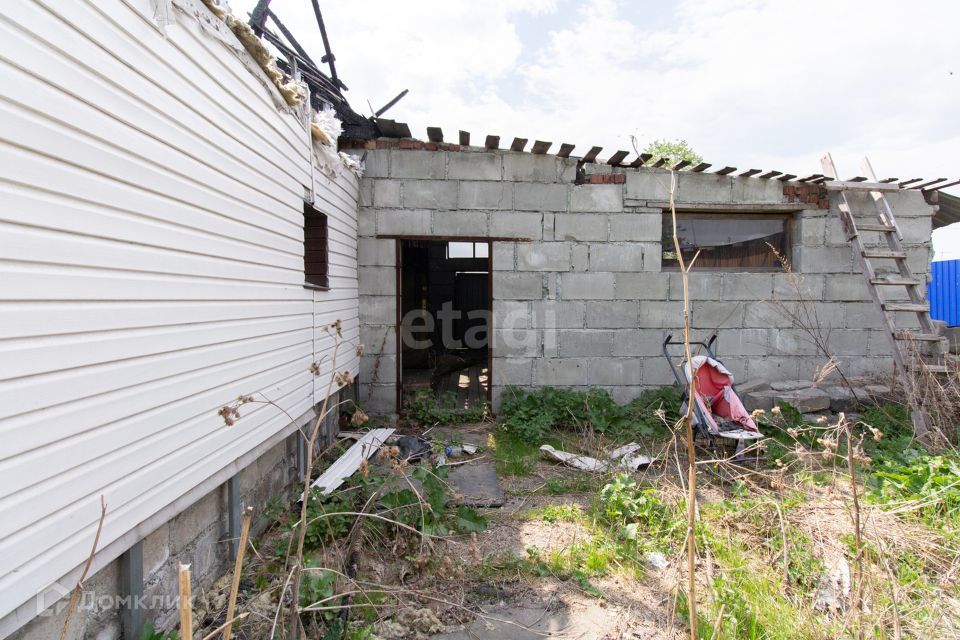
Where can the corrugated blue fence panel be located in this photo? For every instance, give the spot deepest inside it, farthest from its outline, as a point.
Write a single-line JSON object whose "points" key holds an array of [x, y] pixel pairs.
{"points": [[943, 292]]}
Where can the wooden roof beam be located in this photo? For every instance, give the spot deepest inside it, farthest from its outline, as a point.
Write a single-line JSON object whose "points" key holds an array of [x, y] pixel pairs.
{"points": [[540, 147], [592, 154], [434, 134], [518, 144], [492, 142], [617, 158], [464, 138], [681, 165], [725, 171], [700, 168], [750, 172], [928, 183], [642, 159], [769, 174], [565, 150]]}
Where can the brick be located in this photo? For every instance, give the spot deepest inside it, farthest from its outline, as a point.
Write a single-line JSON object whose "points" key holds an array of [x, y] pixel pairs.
{"points": [[585, 342], [545, 256], [525, 167], [641, 286], [460, 223], [376, 252], [540, 197], [485, 195], [616, 257], [429, 194], [474, 166], [403, 221], [627, 227], [612, 315], [516, 224], [417, 164], [602, 198], [386, 193], [586, 286], [517, 286], [580, 226]]}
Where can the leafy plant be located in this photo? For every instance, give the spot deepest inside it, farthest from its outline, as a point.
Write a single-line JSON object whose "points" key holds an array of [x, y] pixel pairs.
{"points": [[150, 633], [426, 408], [674, 151], [321, 525], [317, 585], [531, 414]]}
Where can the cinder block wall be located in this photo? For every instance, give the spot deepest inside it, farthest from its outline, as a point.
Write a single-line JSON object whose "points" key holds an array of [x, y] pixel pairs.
{"points": [[579, 298]]}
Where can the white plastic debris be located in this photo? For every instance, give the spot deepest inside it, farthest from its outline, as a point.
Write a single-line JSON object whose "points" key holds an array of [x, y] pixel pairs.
{"points": [[627, 456], [584, 463]]}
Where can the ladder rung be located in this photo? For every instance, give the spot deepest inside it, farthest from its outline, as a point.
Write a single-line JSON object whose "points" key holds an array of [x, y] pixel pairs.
{"points": [[877, 227], [906, 306], [904, 282], [931, 368], [891, 255], [918, 337]]}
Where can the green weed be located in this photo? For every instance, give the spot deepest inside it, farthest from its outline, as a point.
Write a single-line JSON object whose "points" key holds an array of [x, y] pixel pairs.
{"points": [[425, 407]]}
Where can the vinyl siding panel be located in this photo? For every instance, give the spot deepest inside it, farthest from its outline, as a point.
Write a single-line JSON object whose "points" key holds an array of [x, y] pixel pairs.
{"points": [[151, 270]]}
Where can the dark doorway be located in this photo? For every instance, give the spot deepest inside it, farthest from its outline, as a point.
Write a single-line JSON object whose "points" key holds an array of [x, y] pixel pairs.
{"points": [[445, 321]]}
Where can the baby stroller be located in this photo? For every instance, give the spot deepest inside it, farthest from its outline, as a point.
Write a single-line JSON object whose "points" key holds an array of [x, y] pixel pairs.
{"points": [[717, 409]]}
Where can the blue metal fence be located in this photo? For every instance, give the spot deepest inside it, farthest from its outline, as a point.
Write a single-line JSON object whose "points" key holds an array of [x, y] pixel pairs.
{"points": [[943, 292]]}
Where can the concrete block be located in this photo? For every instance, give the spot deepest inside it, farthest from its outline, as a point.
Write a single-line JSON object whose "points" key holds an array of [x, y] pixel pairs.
{"points": [[512, 371], [549, 220], [403, 222], [797, 286], [504, 256], [613, 315], [474, 166], [194, 522], [516, 343], [551, 285], [580, 257], [526, 167], [790, 385], [378, 281], [813, 231], [517, 286], [614, 371], [545, 256], [648, 184], [763, 399], [704, 187], [540, 197], [915, 230], [567, 168], [656, 372], [376, 164], [862, 315], [773, 368], [660, 315], [616, 257], [586, 286], [429, 194], [630, 227], [461, 223], [156, 551], [580, 226], [511, 314], [641, 286], [747, 286], [585, 342], [376, 252], [378, 338], [386, 193], [417, 164], [597, 197], [366, 193], [805, 400], [485, 195], [379, 399], [378, 310], [561, 372], [824, 259], [366, 222], [878, 342], [554, 314], [753, 190], [383, 366], [716, 315], [743, 342], [703, 285], [792, 342], [527, 225], [846, 287], [630, 342]]}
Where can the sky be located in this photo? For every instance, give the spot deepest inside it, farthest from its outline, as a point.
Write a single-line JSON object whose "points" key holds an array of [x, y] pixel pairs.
{"points": [[765, 84]]}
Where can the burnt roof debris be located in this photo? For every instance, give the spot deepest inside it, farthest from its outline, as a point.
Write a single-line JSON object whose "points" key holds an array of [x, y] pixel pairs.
{"points": [[326, 90]]}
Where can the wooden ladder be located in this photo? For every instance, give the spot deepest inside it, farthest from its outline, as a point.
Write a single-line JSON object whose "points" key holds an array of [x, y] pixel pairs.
{"points": [[903, 343]]}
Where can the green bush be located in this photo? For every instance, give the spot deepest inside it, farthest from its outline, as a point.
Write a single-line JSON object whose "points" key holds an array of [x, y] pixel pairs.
{"points": [[531, 415]]}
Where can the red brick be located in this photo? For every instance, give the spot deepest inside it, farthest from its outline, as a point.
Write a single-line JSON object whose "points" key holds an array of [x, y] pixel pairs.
{"points": [[430, 146], [408, 144], [788, 190], [618, 178], [791, 198], [824, 203]]}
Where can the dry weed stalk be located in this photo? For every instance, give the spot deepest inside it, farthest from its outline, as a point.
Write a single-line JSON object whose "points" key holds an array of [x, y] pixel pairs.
{"points": [[687, 422], [86, 568]]}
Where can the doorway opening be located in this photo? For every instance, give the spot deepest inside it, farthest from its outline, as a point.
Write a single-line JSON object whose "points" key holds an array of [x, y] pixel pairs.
{"points": [[444, 321]]}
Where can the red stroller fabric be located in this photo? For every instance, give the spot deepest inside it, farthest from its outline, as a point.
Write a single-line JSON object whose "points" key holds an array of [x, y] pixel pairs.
{"points": [[712, 388]]}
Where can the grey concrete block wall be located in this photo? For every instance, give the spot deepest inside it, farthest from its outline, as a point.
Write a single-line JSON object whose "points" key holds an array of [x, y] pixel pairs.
{"points": [[579, 296]]}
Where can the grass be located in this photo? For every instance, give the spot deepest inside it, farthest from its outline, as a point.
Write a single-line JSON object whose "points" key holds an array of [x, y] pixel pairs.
{"points": [[513, 456]]}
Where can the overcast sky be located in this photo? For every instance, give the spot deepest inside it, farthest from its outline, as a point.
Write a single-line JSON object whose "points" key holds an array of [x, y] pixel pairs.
{"points": [[766, 84]]}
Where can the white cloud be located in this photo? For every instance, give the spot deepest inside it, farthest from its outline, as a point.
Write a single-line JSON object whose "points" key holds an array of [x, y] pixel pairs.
{"points": [[753, 83]]}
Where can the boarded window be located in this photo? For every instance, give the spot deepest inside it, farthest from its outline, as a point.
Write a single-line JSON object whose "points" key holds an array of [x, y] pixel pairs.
{"points": [[729, 242], [315, 255]]}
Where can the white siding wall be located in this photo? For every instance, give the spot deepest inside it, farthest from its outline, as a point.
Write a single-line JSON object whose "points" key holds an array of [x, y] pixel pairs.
{"points": [[150, 272]]}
